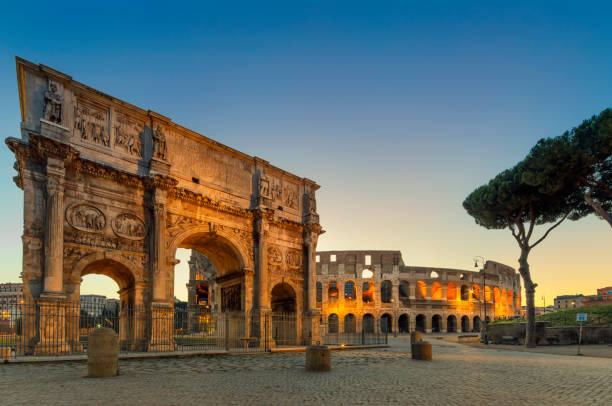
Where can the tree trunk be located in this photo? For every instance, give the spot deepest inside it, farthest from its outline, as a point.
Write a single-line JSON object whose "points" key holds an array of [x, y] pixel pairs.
{"points": [[598, 209], [530, 339]]}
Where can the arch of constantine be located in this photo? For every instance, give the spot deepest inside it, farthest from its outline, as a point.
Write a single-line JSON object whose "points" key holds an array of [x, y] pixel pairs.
{"points": [[376, 289], [112, 189]]}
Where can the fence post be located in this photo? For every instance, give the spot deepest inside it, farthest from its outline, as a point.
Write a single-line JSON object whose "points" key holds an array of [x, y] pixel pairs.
{"points": [[226, 331]]}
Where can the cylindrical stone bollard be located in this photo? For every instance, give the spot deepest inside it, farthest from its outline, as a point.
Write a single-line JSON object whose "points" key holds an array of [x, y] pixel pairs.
{"points": [[318, 358], [421, 350], [102, 353], [415, 337]]}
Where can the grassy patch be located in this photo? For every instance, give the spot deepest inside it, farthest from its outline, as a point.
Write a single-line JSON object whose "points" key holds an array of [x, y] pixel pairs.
{"points": [[597, 316]]}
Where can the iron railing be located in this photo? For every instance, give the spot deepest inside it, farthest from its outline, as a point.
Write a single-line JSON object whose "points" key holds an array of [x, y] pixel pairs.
{"points": [[61, 328]]}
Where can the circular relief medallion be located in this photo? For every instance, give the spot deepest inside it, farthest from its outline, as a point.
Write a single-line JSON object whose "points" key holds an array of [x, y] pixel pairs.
{"points": [[129, 226], [86, 218]]}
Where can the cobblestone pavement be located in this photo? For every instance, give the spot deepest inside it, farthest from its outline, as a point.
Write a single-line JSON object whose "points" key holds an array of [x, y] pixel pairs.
{"points": [[459, 375]]}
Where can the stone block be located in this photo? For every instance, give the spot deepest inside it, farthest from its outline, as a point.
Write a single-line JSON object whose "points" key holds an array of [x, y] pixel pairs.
{"points": [[421, 350], [103, 353], [318, 358]]}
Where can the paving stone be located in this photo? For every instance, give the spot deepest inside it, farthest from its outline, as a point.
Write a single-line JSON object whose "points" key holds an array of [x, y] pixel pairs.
{"points": [[458, 375]]}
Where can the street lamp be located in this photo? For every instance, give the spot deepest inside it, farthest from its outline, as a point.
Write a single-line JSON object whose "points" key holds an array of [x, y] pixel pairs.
{"points": [[483, 333]]}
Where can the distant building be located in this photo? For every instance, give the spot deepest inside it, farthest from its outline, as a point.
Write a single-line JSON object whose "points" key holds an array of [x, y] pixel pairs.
{"points": [[603, 296], [11, 297], [93, 304], [565, 302], [11, 293]]}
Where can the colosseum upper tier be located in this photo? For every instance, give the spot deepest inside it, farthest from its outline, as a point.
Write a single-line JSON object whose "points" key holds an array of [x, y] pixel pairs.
{"points": [[375, 289]]}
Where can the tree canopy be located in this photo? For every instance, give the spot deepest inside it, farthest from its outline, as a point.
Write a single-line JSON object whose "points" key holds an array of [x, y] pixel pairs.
{"points": [[578, 161]]}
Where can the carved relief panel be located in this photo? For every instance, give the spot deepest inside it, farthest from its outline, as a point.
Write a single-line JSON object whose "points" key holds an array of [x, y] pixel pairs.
{"points": [[293, 259], [129, 226], [128, 135], [284, 259], [290, 195], [91, 123], [85, 217]]}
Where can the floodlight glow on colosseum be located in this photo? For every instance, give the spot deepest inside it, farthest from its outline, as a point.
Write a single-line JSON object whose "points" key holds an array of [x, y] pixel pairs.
{"points": [[375, 291]]}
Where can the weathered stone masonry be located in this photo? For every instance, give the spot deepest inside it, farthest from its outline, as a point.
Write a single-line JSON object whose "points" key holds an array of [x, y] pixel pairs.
{"points": [[110, 188], [403, 298]]}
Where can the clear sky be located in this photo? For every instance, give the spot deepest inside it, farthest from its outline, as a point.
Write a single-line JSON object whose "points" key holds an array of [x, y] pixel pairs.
{"points": [[398, 110]]}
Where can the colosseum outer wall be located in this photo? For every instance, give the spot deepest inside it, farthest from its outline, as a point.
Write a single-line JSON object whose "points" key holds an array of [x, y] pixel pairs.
{"points": [[377, 286]]}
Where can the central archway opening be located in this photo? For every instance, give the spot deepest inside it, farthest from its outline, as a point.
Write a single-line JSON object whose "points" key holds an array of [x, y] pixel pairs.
{"points": [[119, 309], [284, 314], [208, 293]]}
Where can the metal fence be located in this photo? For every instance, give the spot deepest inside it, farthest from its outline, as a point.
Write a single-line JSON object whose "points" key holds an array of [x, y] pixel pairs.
{"points": [[61, 328]]}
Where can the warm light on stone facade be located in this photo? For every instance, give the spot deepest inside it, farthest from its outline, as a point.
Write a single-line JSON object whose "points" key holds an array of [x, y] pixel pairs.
{"points": [[407, 298], [113, 189]]}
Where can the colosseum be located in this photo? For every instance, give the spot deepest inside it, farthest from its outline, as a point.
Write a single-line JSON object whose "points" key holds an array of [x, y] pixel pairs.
{"points": [[374, 291]]}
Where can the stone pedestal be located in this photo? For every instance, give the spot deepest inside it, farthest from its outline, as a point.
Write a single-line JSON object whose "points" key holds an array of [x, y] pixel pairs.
{"points": [[162, 326], [102, 353], [421, 350], [318, 358], [52, 326]]}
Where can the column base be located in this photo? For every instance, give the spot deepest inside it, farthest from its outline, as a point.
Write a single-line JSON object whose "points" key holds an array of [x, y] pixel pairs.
{"points": [[52, 325], [162, 327]]}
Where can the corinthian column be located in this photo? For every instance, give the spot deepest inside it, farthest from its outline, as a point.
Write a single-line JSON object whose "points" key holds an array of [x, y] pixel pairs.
{"points": [[159, 249], [310, 243], [54, 228], [261, 229]]}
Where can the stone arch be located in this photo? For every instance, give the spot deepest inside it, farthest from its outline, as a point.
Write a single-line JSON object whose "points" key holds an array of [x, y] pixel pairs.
{"points": [[504, 297], [226, 253], [124, 271], [436, 323], [465, 293], [496, 295], [332, 323], [451, 291], [476, 324], [283, 300], [131, 326], [368, 323], [476, 292], [386, 291], [223, 249], [404, 289], [403, 323], [333, 289], [487, 293], [421, 290], [451, 323], [350, 325], [436, 291], [319, 297], [465, 324], [367, 291], [420, 323], [350, 292], [386, 323]]}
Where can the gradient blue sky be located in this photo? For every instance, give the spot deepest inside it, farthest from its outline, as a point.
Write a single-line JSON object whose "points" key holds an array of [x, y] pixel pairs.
{"points": [[398, 110]]}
